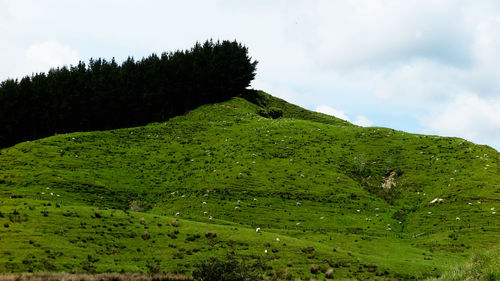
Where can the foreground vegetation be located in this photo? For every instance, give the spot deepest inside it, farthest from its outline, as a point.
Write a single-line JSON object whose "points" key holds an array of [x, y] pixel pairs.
{"points": [[301, 196]]}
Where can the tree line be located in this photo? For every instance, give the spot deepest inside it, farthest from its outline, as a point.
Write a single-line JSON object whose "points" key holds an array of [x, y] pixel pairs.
{"points": [[105, 95]]}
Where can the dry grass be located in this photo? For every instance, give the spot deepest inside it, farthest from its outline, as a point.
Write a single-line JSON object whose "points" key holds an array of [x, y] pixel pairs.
{"points": [[90, 277]]}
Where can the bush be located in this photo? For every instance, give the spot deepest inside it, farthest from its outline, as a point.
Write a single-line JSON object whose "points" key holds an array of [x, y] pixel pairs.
{"points": [[308, 249], [215, 269], [272, 112], [146, 236], [275, 112]]}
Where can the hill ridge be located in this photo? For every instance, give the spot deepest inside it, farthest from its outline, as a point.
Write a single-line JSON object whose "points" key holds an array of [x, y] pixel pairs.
{"points": [[314, 178]]}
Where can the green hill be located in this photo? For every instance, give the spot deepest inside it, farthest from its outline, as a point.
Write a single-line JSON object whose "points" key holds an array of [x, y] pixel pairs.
{"points": [[323, 192]]}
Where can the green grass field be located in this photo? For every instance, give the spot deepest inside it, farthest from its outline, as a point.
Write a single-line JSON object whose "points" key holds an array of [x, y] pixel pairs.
{"points": [[335, 195]]}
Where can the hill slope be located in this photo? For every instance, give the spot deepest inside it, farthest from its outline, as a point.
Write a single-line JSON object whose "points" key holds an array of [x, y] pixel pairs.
{"points": [[336, 195]]}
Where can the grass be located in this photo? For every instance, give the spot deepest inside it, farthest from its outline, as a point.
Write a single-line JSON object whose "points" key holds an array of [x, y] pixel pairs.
{"points": [[142, 199]]}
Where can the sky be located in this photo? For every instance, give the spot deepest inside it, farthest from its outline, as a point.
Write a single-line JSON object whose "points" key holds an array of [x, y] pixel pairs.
{"points": [[420, 66]]}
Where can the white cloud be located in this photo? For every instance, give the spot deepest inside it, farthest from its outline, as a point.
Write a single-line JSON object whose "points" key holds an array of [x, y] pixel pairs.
{"points": [[363, 121], [332, 111], [43, 56], [360, 119], [468, 116]]}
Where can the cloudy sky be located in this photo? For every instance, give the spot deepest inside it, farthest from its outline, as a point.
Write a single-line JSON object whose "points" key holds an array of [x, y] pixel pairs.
{"points": [[416, 65]]}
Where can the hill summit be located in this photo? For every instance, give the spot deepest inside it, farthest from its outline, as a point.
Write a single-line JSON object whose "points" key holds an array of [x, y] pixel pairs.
{"points": [[300, 195]]}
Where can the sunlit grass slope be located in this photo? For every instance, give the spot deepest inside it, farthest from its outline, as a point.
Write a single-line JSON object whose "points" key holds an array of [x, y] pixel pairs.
{"points": [[336, 195]]}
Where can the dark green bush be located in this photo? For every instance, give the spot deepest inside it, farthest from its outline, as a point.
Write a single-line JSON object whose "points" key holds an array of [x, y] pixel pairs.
{"points": [[272, 112], [215, 269], [275, 112]]}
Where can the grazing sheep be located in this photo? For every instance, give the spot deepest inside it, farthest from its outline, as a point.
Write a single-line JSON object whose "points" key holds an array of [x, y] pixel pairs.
{"points": [[470, 204], [257, 229], [429, 213], [210, 218], [389, 229], [236, 208], [439, 200], [255, 199], [457, 219], [377, 215], [278, 240], [205, 213], [297, 223], [177, 214], [204, 203], [321, 218], [265, 251], [359, 211], [493, 213], [298, 204]]}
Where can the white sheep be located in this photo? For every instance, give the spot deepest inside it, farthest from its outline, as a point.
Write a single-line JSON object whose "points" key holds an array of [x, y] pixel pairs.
{"points": [[457, 219], [277, 240], [297, 204], [205, 213], [257, 229], [204, 203], [177, 214]]}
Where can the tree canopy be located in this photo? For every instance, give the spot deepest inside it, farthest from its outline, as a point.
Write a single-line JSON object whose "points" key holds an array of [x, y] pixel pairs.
{"points": [[104, 95]]}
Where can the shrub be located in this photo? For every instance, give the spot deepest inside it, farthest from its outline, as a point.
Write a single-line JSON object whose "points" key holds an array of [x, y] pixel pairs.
{"points": [[308, 249], [210, 235], [272, 112], [215, 269], [275, 112], [146, 236], [262, 112]]}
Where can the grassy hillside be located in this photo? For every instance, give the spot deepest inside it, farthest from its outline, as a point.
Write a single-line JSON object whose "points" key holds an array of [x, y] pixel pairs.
{"points": [[335, 195]]}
